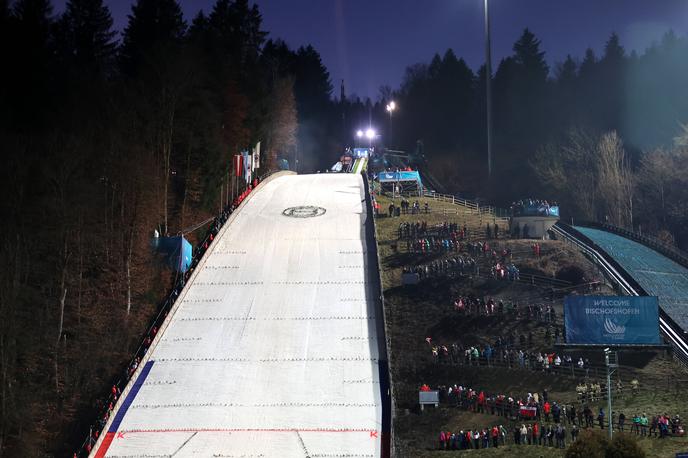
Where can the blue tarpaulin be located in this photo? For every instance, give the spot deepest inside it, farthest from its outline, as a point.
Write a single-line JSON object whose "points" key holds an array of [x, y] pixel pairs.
{"points": [[177, 251], [283, 164], [611, 320]]}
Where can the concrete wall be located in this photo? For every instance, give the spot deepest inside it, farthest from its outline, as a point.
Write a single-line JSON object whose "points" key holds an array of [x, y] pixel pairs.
{"points": [[537, 225]]}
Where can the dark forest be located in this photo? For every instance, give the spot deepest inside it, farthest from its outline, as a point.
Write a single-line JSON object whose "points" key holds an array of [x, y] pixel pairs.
{"points": [[107, 137]]}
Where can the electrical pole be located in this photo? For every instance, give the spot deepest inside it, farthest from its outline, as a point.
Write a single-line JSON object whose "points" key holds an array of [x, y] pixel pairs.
{"points": [[488, 87], [611, 367]]}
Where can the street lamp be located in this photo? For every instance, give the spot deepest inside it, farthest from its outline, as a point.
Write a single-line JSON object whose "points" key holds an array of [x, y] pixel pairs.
{"points": [[359, 136], [488, 88], [391, 106]]}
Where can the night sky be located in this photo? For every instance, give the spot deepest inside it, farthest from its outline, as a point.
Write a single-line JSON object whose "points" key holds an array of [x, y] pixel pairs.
{"points": [[370, 43]]}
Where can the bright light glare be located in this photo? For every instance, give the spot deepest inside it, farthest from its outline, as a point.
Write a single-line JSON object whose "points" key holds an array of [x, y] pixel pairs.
{"points": [[392, 105], [359, 133], [370, 134]]}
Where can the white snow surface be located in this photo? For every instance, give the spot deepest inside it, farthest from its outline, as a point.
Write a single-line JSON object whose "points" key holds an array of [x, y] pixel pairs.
{"points": [[272, 350]]}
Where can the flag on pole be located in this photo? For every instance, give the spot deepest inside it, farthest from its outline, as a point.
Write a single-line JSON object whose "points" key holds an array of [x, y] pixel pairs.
{"points": [[256, 157], [238, 165], [247, 166]]}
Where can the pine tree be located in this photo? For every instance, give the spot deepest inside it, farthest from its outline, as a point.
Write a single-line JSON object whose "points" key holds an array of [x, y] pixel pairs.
{"points": [[153, 25], [87, 35], [527, 54], [312, 87], [613, 51]]}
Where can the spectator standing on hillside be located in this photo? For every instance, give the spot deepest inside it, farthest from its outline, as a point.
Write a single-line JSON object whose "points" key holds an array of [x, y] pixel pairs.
{"points": [[547, 409], [574, 433], [600, 418], [443, 441], [622, 420], [643, 425], [494, 432], [654, 425]]}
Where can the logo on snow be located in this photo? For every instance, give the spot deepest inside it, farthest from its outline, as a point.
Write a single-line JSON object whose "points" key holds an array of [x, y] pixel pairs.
{"points": [[613, 328], [307, 211]]}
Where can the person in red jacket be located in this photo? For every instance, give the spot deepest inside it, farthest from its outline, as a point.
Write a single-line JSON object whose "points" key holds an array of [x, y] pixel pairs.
{"points": [[547, 409], [495, 436], [481, 402], [536, 434]]}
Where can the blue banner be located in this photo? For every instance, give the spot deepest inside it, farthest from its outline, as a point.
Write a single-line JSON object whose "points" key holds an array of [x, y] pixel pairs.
{"points": [[399, 176], [611, 320]]}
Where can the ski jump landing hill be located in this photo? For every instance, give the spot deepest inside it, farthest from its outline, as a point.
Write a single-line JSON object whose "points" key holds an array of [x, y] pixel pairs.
{"points": [[275, 347]]}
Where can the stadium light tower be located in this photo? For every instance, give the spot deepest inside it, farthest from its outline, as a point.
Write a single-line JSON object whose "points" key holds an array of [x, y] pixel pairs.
{"points": [[488, 88], [391, 106], [359, 137], [370, 135]]}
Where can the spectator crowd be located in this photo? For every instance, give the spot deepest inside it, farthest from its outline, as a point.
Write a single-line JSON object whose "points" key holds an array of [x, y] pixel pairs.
{"points": [[536, 420]]}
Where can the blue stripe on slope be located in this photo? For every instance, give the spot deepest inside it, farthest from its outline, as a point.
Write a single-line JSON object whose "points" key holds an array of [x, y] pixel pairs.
{"points": [[130, 397]]}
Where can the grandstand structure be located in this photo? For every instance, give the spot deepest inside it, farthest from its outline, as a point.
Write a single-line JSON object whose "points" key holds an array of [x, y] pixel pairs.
{"points": [[275, 346]]}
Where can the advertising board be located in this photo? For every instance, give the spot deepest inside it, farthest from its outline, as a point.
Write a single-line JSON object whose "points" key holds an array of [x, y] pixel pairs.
{"points": [[612, 320]]}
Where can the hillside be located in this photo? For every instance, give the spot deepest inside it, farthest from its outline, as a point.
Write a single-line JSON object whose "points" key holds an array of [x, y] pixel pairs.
{"points": [[422, 316]]}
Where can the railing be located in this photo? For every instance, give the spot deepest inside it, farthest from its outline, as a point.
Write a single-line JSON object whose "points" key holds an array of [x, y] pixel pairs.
{"points": [[471, 205], [590, 372]]}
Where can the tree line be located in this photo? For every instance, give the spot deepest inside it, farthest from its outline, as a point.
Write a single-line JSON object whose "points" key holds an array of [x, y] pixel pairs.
{"points": [[603, 135], [106, 138]]}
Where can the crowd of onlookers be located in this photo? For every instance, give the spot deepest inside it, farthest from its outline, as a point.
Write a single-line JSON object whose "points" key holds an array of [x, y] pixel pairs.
{"points": [[406, 207], [433, 244], [469, 304], [451, 267], [488, 355], [532, 207], [106, 405], [420, 229], [497, 435], [536, 420]]}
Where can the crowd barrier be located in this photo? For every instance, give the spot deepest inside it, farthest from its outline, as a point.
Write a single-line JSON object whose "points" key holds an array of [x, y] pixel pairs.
{"points": [[591, 372], [471, 205]]}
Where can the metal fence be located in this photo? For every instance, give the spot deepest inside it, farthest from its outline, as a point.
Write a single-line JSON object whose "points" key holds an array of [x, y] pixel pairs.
{"points": [[471, 205]]}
